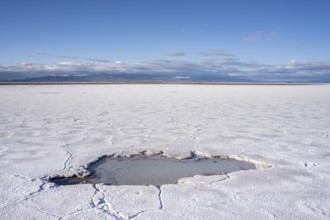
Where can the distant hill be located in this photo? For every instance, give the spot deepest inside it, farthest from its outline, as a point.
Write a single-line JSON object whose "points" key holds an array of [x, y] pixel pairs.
{"points": [[44, 77]]}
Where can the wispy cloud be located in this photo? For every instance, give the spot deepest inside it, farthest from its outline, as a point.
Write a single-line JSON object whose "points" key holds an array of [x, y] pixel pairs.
{"points": [[253, 38], [272, 35], [218, 61], [174, 54], [41, 53], [295, 44], [224, 67], [216, 52]]}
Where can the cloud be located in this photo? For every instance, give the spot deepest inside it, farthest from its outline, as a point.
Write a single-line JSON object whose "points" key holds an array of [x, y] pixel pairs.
{"points": [[259, 36], [312, 70], [98, 60], [295, 44], [254, 38], [272, 35], [175, 54], [223, 67], [216, 52], [40, 53]]}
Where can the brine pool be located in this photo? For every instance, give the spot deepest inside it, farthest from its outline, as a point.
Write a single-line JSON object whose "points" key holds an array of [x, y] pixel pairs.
{"points": [[152, 170]]}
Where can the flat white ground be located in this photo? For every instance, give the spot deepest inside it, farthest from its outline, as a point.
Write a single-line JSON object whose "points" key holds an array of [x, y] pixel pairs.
{"points": [[55, 130]]}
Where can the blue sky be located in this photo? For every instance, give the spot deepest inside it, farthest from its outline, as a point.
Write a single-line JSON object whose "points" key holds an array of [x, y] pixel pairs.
{"points": [[237, 37]]}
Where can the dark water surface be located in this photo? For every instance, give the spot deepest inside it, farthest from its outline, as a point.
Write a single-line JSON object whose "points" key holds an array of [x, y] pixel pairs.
{"points": [[153, 170]]}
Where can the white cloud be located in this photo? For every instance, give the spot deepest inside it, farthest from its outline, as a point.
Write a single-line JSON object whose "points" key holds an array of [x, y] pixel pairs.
{"points": [[272, 35], [228, 66], [175, 54], [40, 53], [216, 52], [292, 61], [295, 44], [254, 38]]}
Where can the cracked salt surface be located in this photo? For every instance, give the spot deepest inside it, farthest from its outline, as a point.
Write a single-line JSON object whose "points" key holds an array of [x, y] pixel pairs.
{"points": [[153, 169], [60, 134]]}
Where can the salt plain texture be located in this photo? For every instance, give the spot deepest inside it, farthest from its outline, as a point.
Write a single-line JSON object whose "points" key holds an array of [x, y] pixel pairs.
{"points": [[56, 130]]}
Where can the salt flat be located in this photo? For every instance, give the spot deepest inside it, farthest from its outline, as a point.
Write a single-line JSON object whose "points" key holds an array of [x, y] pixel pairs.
{"points": [[57, 130]]}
